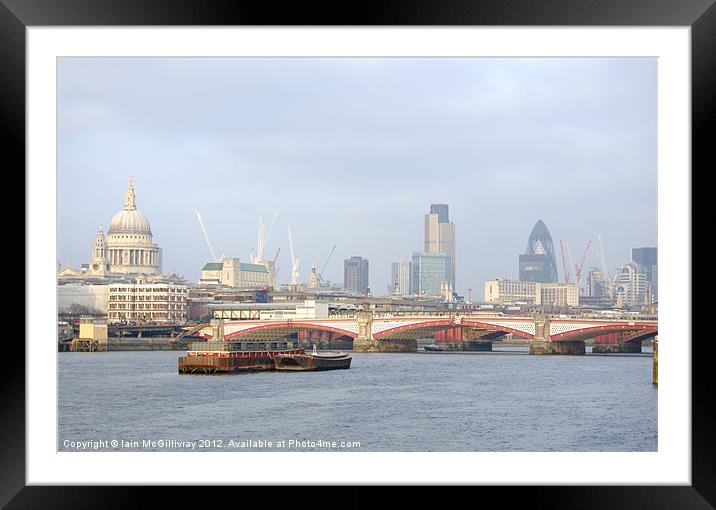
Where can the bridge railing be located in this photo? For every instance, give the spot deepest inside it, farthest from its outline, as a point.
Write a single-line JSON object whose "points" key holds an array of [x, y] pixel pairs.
{"points": [[497, 314]]}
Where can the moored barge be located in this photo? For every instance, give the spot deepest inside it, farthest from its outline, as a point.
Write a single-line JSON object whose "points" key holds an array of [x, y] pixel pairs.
{"points": [[217, 357], [313, 361]]}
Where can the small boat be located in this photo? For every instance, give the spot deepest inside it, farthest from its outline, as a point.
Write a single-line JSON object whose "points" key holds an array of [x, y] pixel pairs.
{"points": [[433, 347], [312, 361]]}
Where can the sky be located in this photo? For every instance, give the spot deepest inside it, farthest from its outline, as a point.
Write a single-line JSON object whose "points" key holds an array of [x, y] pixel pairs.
{"points": [[354, 150]]}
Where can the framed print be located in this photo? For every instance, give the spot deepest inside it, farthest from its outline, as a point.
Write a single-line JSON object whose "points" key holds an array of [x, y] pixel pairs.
{"points": [[339, 133]]}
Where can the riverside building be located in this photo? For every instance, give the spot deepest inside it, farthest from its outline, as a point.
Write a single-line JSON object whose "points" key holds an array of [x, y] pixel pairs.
{"points": [[147, 302], [231, 272], [536, 293]]}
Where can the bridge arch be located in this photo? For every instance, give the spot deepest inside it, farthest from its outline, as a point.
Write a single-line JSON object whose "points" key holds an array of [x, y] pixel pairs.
{"points": [[288, 327], [439, 324], [645, 330]]}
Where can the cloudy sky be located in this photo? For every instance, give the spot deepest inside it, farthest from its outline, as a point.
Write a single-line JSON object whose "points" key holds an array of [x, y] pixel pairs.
{"points": [[354, 151]]}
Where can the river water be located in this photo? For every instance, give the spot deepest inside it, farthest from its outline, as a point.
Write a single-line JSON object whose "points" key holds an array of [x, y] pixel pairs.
{"points": [[500, 401]]}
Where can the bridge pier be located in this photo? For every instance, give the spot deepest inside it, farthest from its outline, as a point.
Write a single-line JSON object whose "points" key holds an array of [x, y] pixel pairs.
{"points": [[573, 347], [542, 344], [365, 342]]}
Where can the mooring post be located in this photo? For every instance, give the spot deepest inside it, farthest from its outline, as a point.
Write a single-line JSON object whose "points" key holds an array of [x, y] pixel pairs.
{"points": [[655, 369]]}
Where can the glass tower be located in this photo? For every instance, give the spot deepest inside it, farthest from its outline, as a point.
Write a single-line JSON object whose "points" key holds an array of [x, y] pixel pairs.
{"points": [[538, 263]]}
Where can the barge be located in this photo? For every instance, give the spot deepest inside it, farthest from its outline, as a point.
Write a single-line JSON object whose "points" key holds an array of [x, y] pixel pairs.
{"points": [[225, 357], [313, 361]]}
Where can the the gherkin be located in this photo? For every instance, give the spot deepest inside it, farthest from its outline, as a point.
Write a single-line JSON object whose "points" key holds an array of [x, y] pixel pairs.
{"points": [[538, 263]]}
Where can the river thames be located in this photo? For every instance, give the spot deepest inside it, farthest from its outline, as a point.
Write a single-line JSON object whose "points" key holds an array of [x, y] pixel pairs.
{"points": [[497, 402]]}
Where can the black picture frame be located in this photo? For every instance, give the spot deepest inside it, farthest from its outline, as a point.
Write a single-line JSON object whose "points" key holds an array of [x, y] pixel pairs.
{"points": [[700, 15]]}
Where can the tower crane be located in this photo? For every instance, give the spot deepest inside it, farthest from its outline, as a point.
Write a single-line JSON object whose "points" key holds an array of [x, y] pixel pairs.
{"points": [[569, 257], [578, 268], [564, 264], [206, 235], [602, 258], [320, 274], [263, 237], [295, 263]]}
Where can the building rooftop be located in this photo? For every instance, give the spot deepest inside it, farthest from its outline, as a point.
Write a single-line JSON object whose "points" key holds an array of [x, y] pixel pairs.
{"points": [[218, 266], [212, 266]]}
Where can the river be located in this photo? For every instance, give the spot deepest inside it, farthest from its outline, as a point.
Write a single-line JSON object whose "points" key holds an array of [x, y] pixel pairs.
{"points": [[501, 401]]}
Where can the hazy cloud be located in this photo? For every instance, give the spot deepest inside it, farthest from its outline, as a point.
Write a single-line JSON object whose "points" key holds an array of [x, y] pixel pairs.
{"points": [[354, 151]]}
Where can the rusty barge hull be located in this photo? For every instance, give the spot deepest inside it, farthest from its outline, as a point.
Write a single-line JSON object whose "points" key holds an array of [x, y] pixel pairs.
{"points": [[217, 365], [306, 362], [228, 362]]}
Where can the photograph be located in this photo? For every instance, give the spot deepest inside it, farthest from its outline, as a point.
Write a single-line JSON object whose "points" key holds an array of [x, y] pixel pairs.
{"points": [[357, 254], [418, 252]]}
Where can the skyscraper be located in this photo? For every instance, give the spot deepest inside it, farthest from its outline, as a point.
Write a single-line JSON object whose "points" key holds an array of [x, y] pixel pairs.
{"points": [[440, 236], [442, 210], [430, 272], [355, 275], [400, 278], [631, 287], [538, 263], [647, 258]]}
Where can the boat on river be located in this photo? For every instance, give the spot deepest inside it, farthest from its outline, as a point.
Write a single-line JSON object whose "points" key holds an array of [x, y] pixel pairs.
{"points": [[222, 357], [313, 361]]}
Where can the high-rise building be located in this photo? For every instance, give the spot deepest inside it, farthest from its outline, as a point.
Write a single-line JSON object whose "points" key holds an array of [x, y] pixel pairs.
{"points": [[596, 283], [440, 235], [631, 287], [647, 258], [401, 278], [430, 271], [443, 212], [538, 263], [355, 275]]}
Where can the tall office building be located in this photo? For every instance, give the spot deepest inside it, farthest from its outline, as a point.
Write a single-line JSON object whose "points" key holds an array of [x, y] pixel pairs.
{"points": [[400, 278], [355, 275], [631, 287], [538, 263], [647, 258], [430, 272], [596, 283], [440, 235]]}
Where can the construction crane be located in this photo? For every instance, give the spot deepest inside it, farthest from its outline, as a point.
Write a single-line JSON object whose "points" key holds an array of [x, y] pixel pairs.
{"points": [[564, 264], [275, 267], [569, 256], [295, 262], [578, 268], [263, 238], [206, 236], [602, 258], [320, 273]]}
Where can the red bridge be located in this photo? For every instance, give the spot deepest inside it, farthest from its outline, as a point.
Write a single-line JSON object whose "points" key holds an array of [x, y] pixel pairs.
{"points": [[386, 331]]}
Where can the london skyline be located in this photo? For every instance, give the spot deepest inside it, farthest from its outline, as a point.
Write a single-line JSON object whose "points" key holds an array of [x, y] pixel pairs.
{"points": [[354, 151]]}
